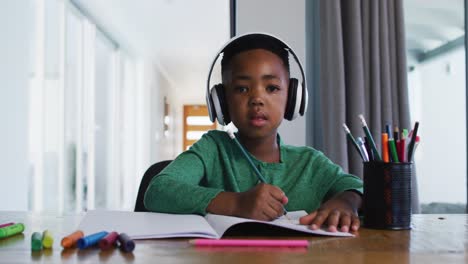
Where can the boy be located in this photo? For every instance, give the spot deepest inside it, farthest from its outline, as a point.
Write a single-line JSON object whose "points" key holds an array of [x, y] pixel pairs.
{"points": [[214, 177]]}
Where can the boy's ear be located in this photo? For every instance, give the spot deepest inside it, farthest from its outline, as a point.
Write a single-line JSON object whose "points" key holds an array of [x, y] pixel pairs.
{"points": [[219, 109]]}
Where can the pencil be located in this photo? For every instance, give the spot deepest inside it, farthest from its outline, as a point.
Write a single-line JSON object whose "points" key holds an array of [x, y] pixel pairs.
{"points": [[246, 155], [362, 148], [352, 140], [412, 141], [396, 134], [369, 150], [370, 138]]}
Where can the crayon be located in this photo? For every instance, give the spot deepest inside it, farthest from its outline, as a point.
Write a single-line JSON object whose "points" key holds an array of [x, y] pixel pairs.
{"points": [[385, 153], [90, 240], [47, 239], [126, 243], [405, 133], [108, 241], [249, 243], [393, 150], [70, 240], [7, 224], [401, 149], [36, 241], [11, 230]]}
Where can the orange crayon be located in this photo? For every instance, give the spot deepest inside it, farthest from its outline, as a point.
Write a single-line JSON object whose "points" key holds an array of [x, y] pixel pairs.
{"points": [[70, 240], [385, 149]]}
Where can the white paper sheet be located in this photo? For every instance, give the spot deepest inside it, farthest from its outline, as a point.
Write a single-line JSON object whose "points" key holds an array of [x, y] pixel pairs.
{"points": [[144, 225]]}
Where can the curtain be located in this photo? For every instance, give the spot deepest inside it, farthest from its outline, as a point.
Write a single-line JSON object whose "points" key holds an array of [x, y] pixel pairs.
{"points": [[362, 71]]}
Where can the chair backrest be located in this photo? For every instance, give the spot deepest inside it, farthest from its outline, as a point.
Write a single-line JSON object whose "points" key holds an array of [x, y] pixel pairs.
{"points": [[149, 174]]}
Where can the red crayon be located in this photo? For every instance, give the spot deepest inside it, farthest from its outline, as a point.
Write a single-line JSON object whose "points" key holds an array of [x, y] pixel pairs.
{"points": [[402, 150], [7, 224], [108, 241]]}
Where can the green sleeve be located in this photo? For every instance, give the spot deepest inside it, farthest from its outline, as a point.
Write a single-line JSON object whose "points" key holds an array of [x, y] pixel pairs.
{"points": [[177, 188], [335, 179]]}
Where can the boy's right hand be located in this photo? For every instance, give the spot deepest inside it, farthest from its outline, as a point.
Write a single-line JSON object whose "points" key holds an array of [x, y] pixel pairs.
{"points": [[263, 202]]}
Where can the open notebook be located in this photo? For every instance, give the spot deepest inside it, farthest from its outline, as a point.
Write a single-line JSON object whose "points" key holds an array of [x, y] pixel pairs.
{"points": [[145, 225]]}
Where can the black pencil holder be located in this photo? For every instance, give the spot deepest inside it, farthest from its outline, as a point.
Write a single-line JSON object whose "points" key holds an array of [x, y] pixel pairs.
{"points": [[387, 195]]}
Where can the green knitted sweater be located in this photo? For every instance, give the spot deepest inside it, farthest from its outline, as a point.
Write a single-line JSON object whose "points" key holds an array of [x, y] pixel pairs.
{"points": [[215, 164]]}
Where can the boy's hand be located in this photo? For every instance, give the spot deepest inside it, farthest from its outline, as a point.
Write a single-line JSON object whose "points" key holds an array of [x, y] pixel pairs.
{"points": [[339, 211], [263, 202]]}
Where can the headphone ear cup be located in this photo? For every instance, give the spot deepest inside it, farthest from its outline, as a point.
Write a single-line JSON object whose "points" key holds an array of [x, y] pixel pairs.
{"points": [[223, 102], [219, 104], [210, 105], [304, 100], [291, 101]]}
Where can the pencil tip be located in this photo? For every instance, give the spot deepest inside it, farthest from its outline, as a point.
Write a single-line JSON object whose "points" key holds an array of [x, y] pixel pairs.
{"points": [[346, 128], [363, 121]]}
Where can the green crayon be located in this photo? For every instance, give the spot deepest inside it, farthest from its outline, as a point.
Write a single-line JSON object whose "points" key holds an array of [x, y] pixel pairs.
{"points": [[36, 241], [47, 239], [393, 150], [11, 230]]}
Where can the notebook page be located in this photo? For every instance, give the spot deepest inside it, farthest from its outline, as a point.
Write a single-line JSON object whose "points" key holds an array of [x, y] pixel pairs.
{"points": [[146, 225], [221, 223]]}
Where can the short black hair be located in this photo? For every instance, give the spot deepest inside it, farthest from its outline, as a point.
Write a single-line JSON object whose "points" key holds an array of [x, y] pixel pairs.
{"points": [[251, 42]]}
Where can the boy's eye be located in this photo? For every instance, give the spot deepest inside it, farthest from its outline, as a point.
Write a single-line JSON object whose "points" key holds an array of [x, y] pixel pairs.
{"points": [[241, 89], [272, 88]]}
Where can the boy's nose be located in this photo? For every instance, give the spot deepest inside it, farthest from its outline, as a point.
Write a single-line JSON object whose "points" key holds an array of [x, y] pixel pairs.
{"points": [[256, 101], [256, 97]]}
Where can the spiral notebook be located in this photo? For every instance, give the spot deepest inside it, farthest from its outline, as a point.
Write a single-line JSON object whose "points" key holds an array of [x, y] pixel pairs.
{"points": [[148, 225]]}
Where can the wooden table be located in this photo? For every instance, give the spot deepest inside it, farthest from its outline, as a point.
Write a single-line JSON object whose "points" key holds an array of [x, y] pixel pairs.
{"points": [[433, 239]]}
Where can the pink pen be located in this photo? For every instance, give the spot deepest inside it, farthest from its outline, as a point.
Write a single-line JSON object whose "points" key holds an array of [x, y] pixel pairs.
{"points": [[7, 224], [249, 243]]}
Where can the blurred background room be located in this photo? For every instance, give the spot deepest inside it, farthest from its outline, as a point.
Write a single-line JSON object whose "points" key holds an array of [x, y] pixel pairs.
{"points": [[95, 91]]}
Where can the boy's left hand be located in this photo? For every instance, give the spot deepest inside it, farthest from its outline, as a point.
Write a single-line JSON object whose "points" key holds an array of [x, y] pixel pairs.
{"points": [[339, 211]]}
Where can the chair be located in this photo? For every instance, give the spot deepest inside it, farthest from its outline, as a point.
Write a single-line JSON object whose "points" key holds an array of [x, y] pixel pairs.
{"points": [[149, 174]]}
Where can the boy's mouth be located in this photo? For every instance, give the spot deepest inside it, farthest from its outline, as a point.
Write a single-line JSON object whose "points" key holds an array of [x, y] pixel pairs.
{"points": [[258, 119]]}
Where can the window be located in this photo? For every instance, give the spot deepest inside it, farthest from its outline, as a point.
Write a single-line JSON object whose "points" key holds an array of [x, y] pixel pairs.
{"points": [[437, 92], [82, 110]]}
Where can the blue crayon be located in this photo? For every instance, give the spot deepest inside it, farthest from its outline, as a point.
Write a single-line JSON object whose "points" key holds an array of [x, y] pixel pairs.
{"points": [[126, 243], [90, 240]]}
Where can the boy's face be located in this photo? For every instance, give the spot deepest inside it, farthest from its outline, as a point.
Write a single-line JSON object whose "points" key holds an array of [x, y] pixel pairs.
{"points": [[256, 86]]}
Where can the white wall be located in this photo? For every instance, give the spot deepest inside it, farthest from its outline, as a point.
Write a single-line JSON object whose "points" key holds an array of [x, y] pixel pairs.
{"points": [[286, 20], [437, 98], [16, 19], [162, 146]]}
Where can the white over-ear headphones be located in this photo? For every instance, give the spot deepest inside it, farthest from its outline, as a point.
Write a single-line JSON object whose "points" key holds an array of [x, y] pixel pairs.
{"points": [[297, 93]]}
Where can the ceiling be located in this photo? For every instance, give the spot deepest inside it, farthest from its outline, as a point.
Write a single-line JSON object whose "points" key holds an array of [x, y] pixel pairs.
{"points": [[433, 26], [180, 36]]}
